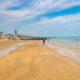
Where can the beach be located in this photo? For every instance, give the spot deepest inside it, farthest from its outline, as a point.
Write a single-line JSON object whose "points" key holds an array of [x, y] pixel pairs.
{"points": [[7, 43], [36, 61], [67, 46], [6, 46]]}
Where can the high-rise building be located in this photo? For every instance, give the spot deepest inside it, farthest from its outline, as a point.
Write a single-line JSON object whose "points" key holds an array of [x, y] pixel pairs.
{"points": [[16, 32]]}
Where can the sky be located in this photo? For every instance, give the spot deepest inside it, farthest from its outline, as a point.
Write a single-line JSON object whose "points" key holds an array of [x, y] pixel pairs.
{"points": [[45, 18]]}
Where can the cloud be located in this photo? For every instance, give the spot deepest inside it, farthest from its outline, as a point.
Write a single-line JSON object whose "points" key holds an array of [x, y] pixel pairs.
{"points": [[59, 20], [9, 3], [18, 13], [16, 16], [35, 8], [55, 5]]}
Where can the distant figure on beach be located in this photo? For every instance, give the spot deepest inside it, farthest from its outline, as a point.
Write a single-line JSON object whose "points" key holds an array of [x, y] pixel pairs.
{"points": [[43, 41]]}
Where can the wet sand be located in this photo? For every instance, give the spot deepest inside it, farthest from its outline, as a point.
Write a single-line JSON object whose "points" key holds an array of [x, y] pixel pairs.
{"points": [[6, 46], [10, 45], [37, 62], [72, 54], [5, 43]]}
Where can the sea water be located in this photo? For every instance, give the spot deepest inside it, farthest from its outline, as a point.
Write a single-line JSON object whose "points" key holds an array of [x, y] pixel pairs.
{"points": [[68, 42], [67, 46]]}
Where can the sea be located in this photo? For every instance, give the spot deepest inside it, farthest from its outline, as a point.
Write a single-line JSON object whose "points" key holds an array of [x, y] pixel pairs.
{"points": [[66, 46]]}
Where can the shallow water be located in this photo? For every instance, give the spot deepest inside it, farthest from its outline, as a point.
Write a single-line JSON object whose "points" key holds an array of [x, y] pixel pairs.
{"points": [[68, 42], [69, 47]]}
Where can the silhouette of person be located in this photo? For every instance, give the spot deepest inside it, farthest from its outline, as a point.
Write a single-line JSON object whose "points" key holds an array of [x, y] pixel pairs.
{"points": [[43, 41]]}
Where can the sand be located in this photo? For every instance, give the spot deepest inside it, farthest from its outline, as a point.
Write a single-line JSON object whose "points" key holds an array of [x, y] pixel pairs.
{"points": [[37, 62], [5, 43]]}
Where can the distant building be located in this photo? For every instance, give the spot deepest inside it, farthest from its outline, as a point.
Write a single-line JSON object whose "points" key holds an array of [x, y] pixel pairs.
{"points": [[1, 34], [9, 35], [16, 32]]}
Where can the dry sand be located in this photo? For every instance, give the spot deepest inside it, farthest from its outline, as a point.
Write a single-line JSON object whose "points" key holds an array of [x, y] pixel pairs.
{"points": [[37, 62]]}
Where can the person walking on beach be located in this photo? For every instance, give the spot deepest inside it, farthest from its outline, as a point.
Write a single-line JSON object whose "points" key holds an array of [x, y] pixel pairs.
{"points": [[43, 41]]}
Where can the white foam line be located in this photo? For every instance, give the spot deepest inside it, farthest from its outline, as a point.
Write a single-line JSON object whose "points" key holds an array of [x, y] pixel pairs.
{"points": [[72, 55]]}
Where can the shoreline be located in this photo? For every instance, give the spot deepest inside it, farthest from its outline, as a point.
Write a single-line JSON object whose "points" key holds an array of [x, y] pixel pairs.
{"points": [[11, 48], [69, 53]]}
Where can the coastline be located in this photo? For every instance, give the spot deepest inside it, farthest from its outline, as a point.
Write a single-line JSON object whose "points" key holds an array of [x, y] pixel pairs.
{"points": [[12, 47], [66, 51], [37, 62]]}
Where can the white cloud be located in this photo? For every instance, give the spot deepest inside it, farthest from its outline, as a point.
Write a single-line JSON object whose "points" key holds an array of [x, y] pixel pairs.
{"points": [[60, 19], [39, 4], [36, 8], [17, 13], [8, 4], [10, 16], [55, 5]]}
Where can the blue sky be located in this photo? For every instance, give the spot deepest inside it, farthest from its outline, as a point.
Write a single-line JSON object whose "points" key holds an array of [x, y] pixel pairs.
{"points": [[40, 17]]}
